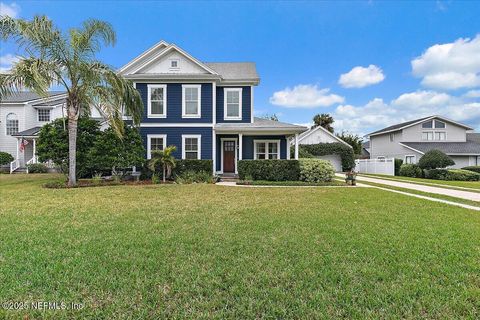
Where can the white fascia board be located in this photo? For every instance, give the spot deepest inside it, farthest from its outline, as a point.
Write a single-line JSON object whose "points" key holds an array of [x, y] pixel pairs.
{"points": [[143, 55], [326, 131]]}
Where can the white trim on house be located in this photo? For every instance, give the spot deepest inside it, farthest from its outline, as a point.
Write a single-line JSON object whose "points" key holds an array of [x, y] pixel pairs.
{"points": [[309, 132], [176, 124], [199, 101], [251, 104], [149, 146], [144, 54], [266, 141], [225, 93], [410, 155], [221, 153], [199, 144], [149, 105]]}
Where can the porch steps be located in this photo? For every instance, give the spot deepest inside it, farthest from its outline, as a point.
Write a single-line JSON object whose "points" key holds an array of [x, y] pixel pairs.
{"points": [[229, 178]]}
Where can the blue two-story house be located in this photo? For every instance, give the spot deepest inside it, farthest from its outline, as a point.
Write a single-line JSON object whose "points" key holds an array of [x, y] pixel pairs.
{"points": [[205, 109]]}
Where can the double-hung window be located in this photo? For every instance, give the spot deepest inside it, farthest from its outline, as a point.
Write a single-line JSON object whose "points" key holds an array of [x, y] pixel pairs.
{"points": [[267, 149], [12, 124], [232, 108], [427, 135], [155, 142], [440, 136], [191, 100], [43, 115], [157, 101], [191, 147]]}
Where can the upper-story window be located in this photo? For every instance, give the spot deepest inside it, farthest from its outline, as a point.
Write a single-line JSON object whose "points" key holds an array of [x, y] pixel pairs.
{"points": [[439, 124], [427, 136], [392, 137], [43, 115], [434, 124], [157, 101], [440, 136], [233, 104], [12, 124], [191, 101], [427, 125]]}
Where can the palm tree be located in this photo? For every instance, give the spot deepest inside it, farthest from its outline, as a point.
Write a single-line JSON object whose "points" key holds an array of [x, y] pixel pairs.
{"points": [[68, 60], [324, 120], [165, 158]]}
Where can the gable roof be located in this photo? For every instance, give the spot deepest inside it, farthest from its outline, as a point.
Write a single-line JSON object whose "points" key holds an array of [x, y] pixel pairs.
{"points": [[410, 123], [27, 96], [315, 129]]}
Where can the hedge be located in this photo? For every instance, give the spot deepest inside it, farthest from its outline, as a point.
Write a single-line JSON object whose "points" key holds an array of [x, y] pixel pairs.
{"points": [[37, 168], [316, 170], [271, 170], [452, 175], [193, 165], [472, 168], [323, 149], [410, 170]]}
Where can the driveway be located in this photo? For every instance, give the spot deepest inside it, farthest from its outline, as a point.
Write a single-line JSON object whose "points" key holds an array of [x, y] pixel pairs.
{"points": [[475, 196]]}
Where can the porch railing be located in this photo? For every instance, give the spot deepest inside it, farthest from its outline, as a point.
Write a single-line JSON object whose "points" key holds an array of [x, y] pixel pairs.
{"points": [[31, 161], [14, 165]]}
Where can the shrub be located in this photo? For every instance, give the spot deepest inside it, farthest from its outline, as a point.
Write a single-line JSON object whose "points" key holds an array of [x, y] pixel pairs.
{"points": [[316, 170], [435, 159], [271, 170], [191, 176], [398, 164], [5, 158], [410, 170], [452, 175], [37, 168], [193, 165], [472, 168], [338, 148]]}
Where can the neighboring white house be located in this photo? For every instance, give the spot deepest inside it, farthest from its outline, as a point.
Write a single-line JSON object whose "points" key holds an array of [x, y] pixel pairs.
{"points": [[22, 115], [410, 140], [321, 135]]}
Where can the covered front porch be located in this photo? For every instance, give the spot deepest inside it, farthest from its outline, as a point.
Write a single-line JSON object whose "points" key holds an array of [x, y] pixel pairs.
{"points": [[263, 139], [26, 150]]}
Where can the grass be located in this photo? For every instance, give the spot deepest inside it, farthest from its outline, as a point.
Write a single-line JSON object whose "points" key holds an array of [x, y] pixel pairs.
{"points": [[475, 185], [293, 183], [206, 251]]}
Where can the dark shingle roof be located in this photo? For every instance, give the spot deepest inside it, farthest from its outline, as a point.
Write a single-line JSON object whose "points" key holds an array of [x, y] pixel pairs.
{"points": [[25, 96], [467, 148], [473, 136], [398, 126], [50, 103], [29, 132], [366, 145]]}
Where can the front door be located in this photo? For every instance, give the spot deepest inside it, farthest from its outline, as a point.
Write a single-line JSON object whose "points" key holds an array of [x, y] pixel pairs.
{"points": [[229, 156]]}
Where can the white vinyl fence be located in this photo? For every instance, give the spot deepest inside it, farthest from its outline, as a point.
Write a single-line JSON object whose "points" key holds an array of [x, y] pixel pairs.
{"points": [[376, 166]]}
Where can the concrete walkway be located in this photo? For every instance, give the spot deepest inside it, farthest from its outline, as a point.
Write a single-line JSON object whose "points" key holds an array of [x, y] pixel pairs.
{"points": [[466, 195]]}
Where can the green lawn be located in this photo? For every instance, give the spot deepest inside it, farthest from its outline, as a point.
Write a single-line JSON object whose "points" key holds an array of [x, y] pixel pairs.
{"points": [[447, 184], [206, 251]]}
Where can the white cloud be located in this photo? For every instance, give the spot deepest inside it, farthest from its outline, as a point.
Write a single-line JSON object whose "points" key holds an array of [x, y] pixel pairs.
{"points": [[360, 77], [377, 114], [10, 10], [472, 94], [305, 96], [6, 62], [450, 66]]}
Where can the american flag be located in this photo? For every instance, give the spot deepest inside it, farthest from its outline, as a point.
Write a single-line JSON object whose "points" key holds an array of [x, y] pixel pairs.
{"points": [[23, 144]]}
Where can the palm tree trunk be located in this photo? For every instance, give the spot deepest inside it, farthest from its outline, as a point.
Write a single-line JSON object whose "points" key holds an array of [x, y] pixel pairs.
{"points": [[72, 151], [164, 173]]}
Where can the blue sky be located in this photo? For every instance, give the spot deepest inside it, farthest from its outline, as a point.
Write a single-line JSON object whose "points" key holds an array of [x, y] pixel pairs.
{"points": [[399, 60]]}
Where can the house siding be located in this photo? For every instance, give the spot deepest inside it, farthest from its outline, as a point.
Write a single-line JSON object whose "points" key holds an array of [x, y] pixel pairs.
{"points": [[174, 104], [246, 105], [174, 137]]}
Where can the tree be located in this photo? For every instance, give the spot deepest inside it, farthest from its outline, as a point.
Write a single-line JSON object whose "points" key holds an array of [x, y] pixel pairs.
{"points": [[352, 139], [5, 158], [324, 120], [68, 60], [434, 159], [165, 159], [111, 152], [53, 139]]}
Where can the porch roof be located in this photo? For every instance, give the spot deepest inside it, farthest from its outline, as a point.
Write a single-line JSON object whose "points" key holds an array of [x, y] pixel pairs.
{"points": [[260, 125], [28, 133]]}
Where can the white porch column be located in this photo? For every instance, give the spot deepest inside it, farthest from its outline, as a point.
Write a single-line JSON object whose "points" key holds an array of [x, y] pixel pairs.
{"points": [[34, 151], [240, 146], [288, 148], [18, 147], [296, 146], [214, 151]]}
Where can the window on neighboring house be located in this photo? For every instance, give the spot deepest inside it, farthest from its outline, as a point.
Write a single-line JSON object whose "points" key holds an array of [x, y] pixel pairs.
{"points": [[157, 101], [409, 159], [439, 124], [191, 101], [381, 158], [12, 124], [427, 125], [155, 142], [267, 149], [427, 136], [440, 136], [233, 104], [191, 147], [392, 137], [43, 115]]}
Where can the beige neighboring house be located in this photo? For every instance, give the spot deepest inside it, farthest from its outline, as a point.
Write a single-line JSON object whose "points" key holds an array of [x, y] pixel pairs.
{"points": [[410, 140], [321, 135]]}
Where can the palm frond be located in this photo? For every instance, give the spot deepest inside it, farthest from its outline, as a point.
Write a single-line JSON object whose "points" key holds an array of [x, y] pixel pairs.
{"points": [[89, 39]]}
